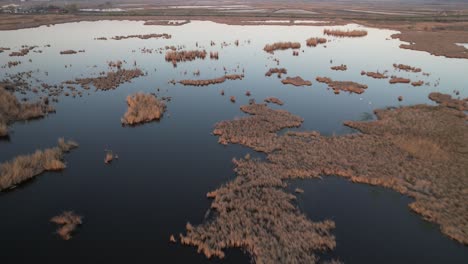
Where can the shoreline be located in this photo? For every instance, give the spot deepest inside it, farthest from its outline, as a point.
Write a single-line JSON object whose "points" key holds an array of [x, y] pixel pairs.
{"points": [[436, 38]]}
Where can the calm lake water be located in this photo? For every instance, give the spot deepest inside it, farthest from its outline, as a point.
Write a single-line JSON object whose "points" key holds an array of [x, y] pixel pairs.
{"points": [[166, 168]]}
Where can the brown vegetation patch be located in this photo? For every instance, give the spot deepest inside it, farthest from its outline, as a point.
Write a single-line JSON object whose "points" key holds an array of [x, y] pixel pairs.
{"points": [[394, 80], [143, 108], [211, 81], [375, 75], [147, 36], [345, 33], [23, 168], [346, 86], [190, 55], [165, 23], [274, 100], [254, 212], [407, 68], [214, 55], [22, 52], [111, 81], [68, 221], [296, 81], [448, 101], [11, 110], [65, 52], [313, 42], [281, 46], [278, 71], [13, 63], [341, 67], [418, 83]]}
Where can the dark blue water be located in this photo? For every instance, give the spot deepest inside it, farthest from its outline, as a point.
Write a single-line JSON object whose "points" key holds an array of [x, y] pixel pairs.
{"points": [[164, 170]]}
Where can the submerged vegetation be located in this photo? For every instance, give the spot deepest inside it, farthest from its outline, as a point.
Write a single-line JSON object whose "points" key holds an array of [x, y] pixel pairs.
{"points": [[23, 168], [143, 108]]}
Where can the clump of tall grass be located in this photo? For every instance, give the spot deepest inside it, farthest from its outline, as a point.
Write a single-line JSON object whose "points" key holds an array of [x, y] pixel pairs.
{"points": [[345, 33], [270, 48], [25, 167], [68, 221], [11, 110], [143, 108]]}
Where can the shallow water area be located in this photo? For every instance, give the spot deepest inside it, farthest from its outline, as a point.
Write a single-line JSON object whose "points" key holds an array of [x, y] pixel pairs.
{"points": [[165, 168]]}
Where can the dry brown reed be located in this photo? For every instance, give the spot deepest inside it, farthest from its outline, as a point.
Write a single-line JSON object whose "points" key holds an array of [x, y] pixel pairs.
{"points": [[406, 68], [68, 221], [211, 81], [23, 168], [341, 67], [278, 71], [313, 42], [296, 81], [345, 33], [273, 100], [270, 48], [11, 110], [375, 75], [112, 80], [394, 80], [448, 101], [143, 108], [346, 86], [147, 36], [65, 52], [180, 56]]}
